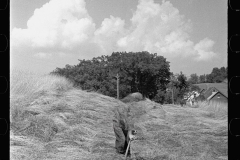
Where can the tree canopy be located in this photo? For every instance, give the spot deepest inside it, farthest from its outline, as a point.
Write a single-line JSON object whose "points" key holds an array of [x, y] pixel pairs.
{"points": [[138, 71]]}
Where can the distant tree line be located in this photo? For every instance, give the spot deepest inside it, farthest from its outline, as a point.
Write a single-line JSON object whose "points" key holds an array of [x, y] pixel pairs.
{"points": [[217, 75], [141, 72]]}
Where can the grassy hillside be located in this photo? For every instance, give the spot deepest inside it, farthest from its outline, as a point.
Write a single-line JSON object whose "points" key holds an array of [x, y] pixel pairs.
{"points": [[50, 119]]}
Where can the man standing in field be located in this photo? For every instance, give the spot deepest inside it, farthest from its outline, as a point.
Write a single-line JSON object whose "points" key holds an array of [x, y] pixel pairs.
{"points": [[122, 126]]}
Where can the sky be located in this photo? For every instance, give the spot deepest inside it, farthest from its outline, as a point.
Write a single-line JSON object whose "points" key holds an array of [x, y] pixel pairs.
{"points": [[46, 34]]}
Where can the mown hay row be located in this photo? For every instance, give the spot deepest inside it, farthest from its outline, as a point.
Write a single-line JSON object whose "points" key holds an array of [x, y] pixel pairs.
{"points": [[63, 122]]}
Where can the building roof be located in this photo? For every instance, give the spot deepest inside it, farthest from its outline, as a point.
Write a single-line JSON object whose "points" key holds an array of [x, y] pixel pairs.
{"points": [[221, 87], [213, 94], [223, 91], [202, 90], [209, 92]]}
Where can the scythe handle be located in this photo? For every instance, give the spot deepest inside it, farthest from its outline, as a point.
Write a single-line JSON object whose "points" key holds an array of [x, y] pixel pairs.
{"points": [[127, 149]]}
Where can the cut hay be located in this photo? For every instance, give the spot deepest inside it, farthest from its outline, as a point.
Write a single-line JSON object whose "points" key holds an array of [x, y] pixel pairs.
{"points": [[173, 132], [58, 122], [134, 97]]}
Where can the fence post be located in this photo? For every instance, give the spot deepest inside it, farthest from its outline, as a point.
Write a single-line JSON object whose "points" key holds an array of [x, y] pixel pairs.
{"points": [[117, 86]]}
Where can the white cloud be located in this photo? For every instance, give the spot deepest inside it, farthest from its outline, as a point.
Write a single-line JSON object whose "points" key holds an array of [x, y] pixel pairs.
{"points": [[161, 29], [204, 50], [177, 42], [158, 28], [59, 23], [65, 26], [110, 31]]}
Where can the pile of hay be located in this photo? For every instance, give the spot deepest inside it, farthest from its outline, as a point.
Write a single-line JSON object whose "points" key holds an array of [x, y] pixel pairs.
{"points": [[133, 97], [173, 132], [52, 120]]}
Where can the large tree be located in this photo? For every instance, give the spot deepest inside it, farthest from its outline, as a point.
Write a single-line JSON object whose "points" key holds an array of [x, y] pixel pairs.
{"points": [[138, 71]]}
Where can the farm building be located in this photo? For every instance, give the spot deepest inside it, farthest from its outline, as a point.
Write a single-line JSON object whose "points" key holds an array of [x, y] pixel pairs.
{"points": [[209, 92], [214, 91], [218, 96], [202, 91]]}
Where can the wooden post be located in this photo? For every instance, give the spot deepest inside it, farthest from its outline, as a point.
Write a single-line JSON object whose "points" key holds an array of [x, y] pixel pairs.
{"points": [[117, 86], [172, 97]]}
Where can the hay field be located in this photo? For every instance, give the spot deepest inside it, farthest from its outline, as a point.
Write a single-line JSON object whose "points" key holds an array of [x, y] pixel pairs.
{"points": [[50, 119], [182, 133]]}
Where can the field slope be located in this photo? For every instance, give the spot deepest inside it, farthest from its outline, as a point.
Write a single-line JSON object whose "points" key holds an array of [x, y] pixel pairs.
{"points": [[50, 119], [174, 132]]}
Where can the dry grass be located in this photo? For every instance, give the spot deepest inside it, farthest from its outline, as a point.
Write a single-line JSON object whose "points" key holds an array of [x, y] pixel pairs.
{"points": [[52, 120], [134, 97], [217, 109], [27, 84], [195, 133]]}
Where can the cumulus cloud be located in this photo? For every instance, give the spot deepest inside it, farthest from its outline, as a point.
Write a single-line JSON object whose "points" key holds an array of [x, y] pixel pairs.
{"points": [[157, 28], [65, 25], [110, 31], [204, 49], [161, 29], [59, 23]]}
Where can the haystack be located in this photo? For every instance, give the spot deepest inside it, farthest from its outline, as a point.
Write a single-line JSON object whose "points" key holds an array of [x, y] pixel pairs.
{"points": [[133, 97], [52, 120], [173, 132], [57, 121]]}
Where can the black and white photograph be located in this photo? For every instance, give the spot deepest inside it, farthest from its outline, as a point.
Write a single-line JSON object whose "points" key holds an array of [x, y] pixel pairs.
{"points": [[118, 80]]}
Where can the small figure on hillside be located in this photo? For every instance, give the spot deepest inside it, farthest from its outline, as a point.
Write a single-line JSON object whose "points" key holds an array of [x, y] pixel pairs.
{"points": [[123, 130]]}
